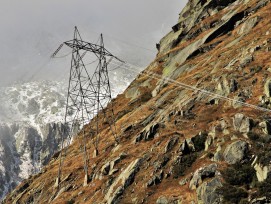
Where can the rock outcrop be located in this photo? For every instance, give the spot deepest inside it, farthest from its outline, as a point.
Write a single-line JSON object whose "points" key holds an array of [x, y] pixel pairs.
{"points": [[236, 152]]}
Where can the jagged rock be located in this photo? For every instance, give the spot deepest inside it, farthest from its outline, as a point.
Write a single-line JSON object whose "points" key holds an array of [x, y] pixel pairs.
{"points": [[133, 93], [223, 86], [162, 200], [161, 163], [241, 123], [156, 179], [184, 181], [248, 25], [246, 60], [148, 133], [202, 173], [267, 88], [105, 168], [185, 148], [207, 194], [208, 142], [235, 152], [108, 168], [233, 85], [266, 127], [170, 144], [218, 156], [262, 200], [262, 171], [122, 181]]}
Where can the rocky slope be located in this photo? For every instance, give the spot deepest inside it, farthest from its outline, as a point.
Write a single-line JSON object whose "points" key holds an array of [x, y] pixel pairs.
{"points": [[193, 127]]}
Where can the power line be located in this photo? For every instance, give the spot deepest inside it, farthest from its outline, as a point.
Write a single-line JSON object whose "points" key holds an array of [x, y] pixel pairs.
{"points": [[153, 75], [125, 42]]}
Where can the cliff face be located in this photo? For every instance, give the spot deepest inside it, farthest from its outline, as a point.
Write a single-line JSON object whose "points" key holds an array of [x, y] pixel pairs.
{"points": [[193, 127], [29, 134]]}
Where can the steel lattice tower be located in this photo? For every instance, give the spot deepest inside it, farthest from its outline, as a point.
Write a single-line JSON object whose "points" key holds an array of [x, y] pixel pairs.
{"points": [[87, 95]]}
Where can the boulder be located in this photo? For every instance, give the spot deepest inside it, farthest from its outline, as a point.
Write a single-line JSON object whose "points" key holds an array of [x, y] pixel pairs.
{"points": [[218, 156], [125, 179], [202, 173], [248, 25], [267, 88], [162, 200], [156, 179], [170, 144], [235, 152], [184, 181], [262, 200], [207, 194], [241, 123], [266, 127], [262, 171], [108, 167], [148, 133]]}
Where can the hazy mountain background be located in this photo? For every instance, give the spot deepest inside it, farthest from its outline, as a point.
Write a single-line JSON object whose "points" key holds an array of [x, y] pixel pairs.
{"points": [[31, 30]]}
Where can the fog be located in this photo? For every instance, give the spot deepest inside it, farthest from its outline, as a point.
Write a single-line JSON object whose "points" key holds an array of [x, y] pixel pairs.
{"points": [[31, 30]]}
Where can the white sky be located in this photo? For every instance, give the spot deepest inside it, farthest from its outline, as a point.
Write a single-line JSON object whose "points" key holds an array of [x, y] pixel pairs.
{"points": [[32, 29]]}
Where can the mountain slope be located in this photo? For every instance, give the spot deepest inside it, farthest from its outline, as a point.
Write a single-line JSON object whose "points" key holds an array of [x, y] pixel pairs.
{"points": [[193, 126]]}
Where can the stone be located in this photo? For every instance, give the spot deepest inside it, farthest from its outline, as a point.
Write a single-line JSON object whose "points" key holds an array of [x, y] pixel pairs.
{"points": [[108, 167], [184, 148], [267, 88], [248, 25], [124, 179], [241, 123], [86, 180], [156, 179], [184, 181], [218, 156], [233, 85], [148, 133], [202, 173], [132, 93], [105, 168], [262, 200], [208, 142], [266, 127], [95, 153], [262, 171], [162, 200], [160, 163], [170, 144], [207, 194], [235, 152], [246, 60]]}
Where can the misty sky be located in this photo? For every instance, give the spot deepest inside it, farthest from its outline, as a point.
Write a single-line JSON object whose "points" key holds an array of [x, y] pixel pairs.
{"points": [[31, 30]]}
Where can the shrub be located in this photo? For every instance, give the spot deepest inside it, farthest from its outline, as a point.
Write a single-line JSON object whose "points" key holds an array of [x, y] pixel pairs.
{"points": [[253, 136], [239, 174], [199, 142], [265, 156], [232, 194], [182, 164], [264, 188]]}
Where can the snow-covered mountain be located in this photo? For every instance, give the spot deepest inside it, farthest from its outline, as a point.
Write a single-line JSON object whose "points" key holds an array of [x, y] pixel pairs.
{"points": [[32, 124]]}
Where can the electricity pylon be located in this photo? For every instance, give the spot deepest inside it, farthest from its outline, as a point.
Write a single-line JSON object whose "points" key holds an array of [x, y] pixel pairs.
{"points": [[87, 95]]}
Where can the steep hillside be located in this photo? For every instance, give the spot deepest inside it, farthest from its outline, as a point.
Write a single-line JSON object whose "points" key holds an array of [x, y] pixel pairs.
{"points": [[193, 126]]}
